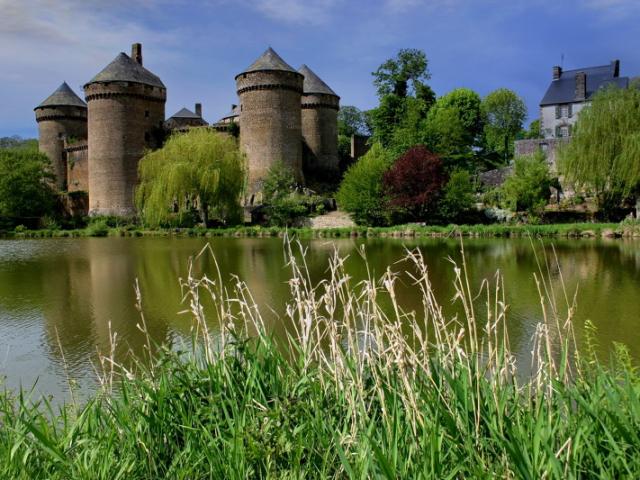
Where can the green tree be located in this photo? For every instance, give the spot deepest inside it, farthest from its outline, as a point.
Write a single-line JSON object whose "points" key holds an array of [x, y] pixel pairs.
{"points": [[534, 130], [361, 192], [457, 196], [527, 188], [398, 75], [17, 142], [198, 168], [351, 121], [604, 152], [504, 113], [453, 127], [25, 183]]}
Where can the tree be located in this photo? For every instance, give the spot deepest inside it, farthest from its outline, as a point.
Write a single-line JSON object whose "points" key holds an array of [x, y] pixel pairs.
{"points": [[527, 188], [17, 142], [407, 70], [361, 192], [197, 169], [604, 152], [534, 130], [352, 121], [414, 183], [453, 127], [504, 113], [457, 196], [25, 183]]}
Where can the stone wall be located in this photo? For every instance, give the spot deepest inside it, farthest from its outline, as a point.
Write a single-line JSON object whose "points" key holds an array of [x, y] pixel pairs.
{"points": [[54, 125], [270, 123], [77, 166], [124, 119], [549, 146], [320, 133]]}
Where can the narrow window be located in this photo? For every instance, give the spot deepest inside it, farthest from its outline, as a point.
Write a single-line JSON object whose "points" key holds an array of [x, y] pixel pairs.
{"points": [[147, 137]]}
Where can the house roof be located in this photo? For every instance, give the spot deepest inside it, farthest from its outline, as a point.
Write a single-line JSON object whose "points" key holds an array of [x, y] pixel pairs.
{"points": [[313, 83], [125, 69], [63, 97], [185, 113], [269, 60], [563, 90], [235, 111]]}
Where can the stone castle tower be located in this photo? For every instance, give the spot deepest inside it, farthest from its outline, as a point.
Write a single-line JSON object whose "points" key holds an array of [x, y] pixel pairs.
{"points": [[125, 115], [320, 107], [270, 94], [63, 115]]}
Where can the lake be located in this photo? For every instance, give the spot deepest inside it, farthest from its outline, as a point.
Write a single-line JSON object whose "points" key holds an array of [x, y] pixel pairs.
{"points": [[64, 295]]}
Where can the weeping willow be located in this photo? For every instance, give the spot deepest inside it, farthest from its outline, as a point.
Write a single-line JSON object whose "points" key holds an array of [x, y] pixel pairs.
{"points": [[604, 153], [197, 170]]}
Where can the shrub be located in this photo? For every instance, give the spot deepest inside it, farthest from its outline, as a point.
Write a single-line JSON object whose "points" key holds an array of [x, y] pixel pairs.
{"points": [[284, 205], [527, 189], [25, 184], [457, 196], [362, 193], [414, 183]]}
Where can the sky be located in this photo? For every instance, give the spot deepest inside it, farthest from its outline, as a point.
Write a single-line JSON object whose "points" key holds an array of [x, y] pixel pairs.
{"points": [[197, 47]]}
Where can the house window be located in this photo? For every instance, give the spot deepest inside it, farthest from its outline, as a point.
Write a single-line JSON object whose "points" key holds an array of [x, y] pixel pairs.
{"points": [[564, 111], [564, 131]]}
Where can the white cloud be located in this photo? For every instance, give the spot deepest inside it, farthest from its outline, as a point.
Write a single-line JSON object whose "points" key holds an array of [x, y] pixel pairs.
{"points": [[312, 12]]}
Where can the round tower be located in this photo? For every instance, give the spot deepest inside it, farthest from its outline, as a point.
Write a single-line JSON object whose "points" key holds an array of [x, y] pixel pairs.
{"points": [[63, 115], [125, 115], [270, 118], [320, 107]]}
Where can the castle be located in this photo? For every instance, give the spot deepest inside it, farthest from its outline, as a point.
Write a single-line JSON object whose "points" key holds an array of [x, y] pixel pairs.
{"points": [[283, 115]]}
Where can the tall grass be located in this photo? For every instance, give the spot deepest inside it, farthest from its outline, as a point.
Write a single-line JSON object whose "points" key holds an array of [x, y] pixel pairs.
{"points": [[357, 391]]}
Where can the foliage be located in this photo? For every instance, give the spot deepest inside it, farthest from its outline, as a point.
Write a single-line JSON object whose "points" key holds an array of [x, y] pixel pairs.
{"points": [[527, 189], [458, 196], [400, 74], [604, 153], [284, 204], [534, 130], [328, 402], [504, 112], [25, 183], [454, 125], [17, 142], [352, 121], [196, 168], [414, 183], [361, 192], [385, 118]]}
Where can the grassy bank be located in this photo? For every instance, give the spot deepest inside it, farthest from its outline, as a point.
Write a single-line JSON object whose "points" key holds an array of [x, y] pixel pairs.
{"points": [[568, 230], [357, 392]]}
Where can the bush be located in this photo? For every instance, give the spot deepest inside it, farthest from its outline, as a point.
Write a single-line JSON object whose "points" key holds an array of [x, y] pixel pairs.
{"points": [[527, 189], [362, 193], [284, 206], [457, 196], [25, 184], [414, 183]]}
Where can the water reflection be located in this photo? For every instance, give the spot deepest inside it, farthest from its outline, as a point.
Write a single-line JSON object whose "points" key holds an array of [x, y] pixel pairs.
{"points": [[70, 293]]}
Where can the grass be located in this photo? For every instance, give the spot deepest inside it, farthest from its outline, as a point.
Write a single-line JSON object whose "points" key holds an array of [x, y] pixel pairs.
{"points": [[568, 230], [359, 391]]}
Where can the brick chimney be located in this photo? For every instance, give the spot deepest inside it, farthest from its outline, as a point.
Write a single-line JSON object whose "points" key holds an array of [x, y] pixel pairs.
{"points": [[615, 64], [557, 72], [199, 109], [581, 86], [136, 53]]}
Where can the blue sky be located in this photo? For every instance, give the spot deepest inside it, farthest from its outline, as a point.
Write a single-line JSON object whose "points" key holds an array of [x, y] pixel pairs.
{"points": [[197, 47]]}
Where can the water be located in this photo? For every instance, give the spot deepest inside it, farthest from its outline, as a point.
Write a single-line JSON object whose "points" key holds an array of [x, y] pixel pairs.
{"points": [[61, 295]]}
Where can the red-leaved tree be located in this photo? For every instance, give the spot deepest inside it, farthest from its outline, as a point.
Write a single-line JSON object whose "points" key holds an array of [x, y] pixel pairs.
{"points": [[415, 182]]}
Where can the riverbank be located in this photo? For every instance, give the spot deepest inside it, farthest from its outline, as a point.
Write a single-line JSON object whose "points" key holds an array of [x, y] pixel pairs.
{"points": [[355, 393], [568, 230]]}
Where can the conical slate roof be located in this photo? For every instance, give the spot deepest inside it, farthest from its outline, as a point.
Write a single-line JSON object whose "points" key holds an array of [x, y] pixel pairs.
{"points": [[313, 83], [125, 69], [269, 60], [63, 97], [185, 113]]}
